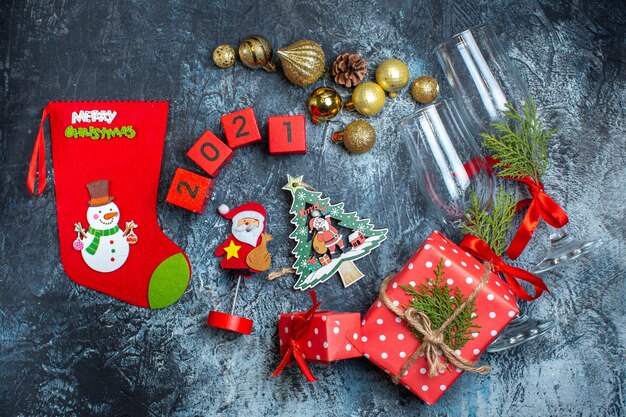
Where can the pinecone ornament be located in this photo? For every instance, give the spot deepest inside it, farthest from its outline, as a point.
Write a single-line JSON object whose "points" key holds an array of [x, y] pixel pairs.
{"points": [[349, 70]]}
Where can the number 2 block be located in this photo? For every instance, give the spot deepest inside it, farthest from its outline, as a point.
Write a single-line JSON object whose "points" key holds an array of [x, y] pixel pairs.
{"points": [[241, 128], [190, 191], [210, 153], [287, 134]]}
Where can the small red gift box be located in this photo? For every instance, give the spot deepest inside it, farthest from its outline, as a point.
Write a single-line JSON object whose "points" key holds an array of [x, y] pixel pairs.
{"points": [[388, 342], [318, 336]]}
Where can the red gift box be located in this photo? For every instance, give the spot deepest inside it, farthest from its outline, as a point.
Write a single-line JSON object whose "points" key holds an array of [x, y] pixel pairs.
{"points": [[388, 342], [318, 336]]}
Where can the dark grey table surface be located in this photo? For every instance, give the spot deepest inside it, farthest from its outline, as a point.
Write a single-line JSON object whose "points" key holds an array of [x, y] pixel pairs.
{"points": [[67, 350]]}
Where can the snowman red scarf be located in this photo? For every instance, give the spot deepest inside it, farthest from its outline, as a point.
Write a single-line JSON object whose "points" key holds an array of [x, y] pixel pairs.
{"points": [[107, 162]]}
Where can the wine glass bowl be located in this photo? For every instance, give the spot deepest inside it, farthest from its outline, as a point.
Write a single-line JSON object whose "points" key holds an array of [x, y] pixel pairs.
{"points": [[447, 158]]}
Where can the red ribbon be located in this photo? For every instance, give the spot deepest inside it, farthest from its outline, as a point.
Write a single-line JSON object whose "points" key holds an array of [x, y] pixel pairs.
{"points": [[302, 321], [481, 250], [540, 206], [38, 159], [475, 165]]}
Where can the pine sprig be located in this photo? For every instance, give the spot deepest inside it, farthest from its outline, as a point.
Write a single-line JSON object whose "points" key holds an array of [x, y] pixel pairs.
{"points": [[520, 144], [438, 301], [491, 226]]}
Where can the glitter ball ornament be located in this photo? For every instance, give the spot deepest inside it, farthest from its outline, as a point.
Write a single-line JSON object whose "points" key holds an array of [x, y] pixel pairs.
{"points": [[224, 56], [358, 137], [256, 52], [368, 99], [424, 89], [392, 75], [324, 104]]}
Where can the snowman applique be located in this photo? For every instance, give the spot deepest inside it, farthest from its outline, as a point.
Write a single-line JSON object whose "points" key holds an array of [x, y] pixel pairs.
{"points": [[104, 246]]}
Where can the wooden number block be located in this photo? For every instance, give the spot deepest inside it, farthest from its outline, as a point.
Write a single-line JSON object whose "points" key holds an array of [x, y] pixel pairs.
{"points": [[210, 153], [241, 128], [190, 191], [287, 134]]}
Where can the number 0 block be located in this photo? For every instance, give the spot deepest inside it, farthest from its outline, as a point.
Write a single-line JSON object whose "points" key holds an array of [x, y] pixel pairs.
{"points": [[190, 191], [287, 134], [210, 153], [241, 128]]}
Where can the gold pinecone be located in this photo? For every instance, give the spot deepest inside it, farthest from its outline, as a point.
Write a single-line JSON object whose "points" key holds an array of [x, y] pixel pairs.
{"points": [[349, 70]]}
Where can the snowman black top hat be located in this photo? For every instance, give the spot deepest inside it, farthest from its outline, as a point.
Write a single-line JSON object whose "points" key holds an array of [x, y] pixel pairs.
{"points": [[99, 193]]}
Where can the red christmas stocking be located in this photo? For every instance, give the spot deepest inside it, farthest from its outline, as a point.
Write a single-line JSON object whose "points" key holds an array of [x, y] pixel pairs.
{"points": [[107, 161]]}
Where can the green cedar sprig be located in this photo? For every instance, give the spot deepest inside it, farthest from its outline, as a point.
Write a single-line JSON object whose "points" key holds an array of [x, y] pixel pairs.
{"points": [[491, 226], [438, 301], [520, 143]]}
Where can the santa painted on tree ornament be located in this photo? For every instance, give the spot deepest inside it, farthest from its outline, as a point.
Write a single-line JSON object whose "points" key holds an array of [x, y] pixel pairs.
{"points": [[326, 233]]}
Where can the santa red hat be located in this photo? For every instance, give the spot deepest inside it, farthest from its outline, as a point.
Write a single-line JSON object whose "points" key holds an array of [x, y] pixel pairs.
{"points": [[251, 210]]}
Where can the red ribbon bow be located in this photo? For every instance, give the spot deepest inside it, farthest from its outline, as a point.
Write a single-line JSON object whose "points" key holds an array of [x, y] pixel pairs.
{"points": [[481, 250], [302, 321], [540, 206], [38, 159]]}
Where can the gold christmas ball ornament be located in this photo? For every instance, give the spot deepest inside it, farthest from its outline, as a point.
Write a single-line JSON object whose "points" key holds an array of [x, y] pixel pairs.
{"points": [[256, 52], [424, 89], [303, 62], [358, 137], [224, 56], [392, 75], [368, 99], [324, 104]]}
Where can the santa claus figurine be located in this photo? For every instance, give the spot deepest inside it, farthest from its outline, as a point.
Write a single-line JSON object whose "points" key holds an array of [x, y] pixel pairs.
{"points": [[244, 253], [326, 233]]}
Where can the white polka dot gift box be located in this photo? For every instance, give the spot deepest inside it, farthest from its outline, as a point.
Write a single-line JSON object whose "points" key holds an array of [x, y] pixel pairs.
{"points": [[317, 336], [455, 305]]}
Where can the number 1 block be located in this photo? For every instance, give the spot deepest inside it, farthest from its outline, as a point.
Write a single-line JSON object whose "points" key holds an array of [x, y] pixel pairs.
{"points": [[190, 191], [210, 153], [241, 128], [287, 134]]}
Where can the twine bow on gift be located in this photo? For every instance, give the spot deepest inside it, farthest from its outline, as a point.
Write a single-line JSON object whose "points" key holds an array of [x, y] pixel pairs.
{"points": [[433, 342], [302, 321], [540, 206], [481, 250]]}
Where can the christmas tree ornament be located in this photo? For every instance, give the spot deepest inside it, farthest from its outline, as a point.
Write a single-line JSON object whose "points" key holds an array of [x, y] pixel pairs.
{"points": [[113, 184], [224, 56], [244, 253], [424, 89], [328, 240], [324, 104], [392, 75], [303, 62], [256, 52], [358, 137], [349, 70], [435, 317], [368, 98], [317, 336]]}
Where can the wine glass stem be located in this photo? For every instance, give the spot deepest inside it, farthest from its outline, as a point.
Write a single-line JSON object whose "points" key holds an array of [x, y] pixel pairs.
{"points": [[559, 237]]}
